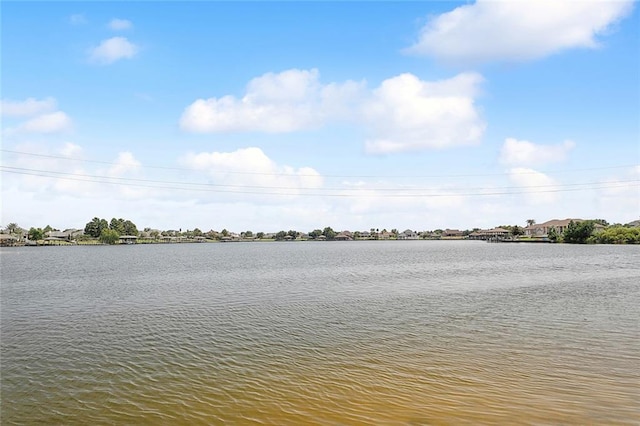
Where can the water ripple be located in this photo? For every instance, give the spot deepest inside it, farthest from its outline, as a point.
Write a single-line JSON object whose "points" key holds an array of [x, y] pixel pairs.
{"points": [[322, 334]]}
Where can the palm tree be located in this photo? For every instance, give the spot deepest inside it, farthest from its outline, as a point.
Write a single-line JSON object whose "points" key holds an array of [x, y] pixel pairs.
{"points": [[12, 228], [531, 222]]}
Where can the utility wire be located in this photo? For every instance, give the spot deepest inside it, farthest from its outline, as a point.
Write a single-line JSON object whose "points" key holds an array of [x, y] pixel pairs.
{"points": [[346, 194], [46, 173], [59, 157]]}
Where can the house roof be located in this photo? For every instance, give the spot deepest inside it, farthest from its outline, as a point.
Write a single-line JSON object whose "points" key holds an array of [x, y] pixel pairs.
{"points": [[555, 222], [498, 230]]}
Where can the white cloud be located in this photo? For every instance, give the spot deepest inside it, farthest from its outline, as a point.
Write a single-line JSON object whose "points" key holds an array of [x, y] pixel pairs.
{"points": [[125, 163], [112, 50], [71, 200], [536, 187], [120, 24], [524, 153], [71, 150], [251, 170], [28, 107], [403, 114], [621, 191], [54, 122], [491, 30], [274, 103], [408, 114]]}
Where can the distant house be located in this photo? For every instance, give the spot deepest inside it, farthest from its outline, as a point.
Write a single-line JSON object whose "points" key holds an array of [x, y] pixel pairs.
{"points": [[67, 234], [344, 236], [408, 234], [634, 224], [452, 233], [7, 240], [490, 234], [385, 235], [559, 225], [477, 235]]}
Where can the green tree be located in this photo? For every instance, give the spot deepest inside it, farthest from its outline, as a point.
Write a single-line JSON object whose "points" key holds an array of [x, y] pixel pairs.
{"points": [[260, 235], [197, 232], [109, 236], [516, 231], [553, 235], [129, 228], [36, 234], [315, 233], [117, 225], [280, 235], [13, 228], [293, 234], [95, 227], [618, 235], [224, 233], [578, 233], [329, 233]]}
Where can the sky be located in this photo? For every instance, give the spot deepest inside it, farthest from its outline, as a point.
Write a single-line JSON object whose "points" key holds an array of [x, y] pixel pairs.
{"points": [[269, 116]]}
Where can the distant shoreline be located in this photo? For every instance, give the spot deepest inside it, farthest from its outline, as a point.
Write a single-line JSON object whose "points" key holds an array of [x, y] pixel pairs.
{"points": [[159, 242]]}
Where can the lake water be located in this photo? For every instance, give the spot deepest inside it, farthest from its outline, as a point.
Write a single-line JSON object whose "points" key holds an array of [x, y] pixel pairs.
{"points": [[406, 332]]}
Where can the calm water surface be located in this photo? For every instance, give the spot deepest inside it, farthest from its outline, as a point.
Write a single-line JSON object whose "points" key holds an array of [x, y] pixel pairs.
{"points": [[406, 332]]}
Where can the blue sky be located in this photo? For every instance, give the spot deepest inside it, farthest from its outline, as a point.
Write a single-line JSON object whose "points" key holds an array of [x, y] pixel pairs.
{"points": [[299, 115]]}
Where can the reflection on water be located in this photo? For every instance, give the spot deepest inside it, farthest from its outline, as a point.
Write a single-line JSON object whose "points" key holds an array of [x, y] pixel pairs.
{"points": [[321, 333]]}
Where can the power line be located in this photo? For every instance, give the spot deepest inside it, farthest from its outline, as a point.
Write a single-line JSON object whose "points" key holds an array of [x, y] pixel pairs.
{"points": [[451, 176], [46, 173], [346, 193]]}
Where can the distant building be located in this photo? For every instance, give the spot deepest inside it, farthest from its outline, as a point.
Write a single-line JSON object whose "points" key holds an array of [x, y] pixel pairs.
{"points": [[408, 234], [559, 225], [452, 233]]}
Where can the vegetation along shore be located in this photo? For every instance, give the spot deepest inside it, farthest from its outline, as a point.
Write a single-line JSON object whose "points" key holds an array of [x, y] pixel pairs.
{"points": [[123, 231]]}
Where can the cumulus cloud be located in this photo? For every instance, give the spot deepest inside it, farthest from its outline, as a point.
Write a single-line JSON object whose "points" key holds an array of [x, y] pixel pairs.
{"points": [[26, 108], [538, 187], [403, 114], [621, 191], [524, 153], [120, 24], [54, 122], [71, 150], [275, 103], [253, 171], [408, 114], [125, 163], [112, 50], [515, 31], [34, 116]]}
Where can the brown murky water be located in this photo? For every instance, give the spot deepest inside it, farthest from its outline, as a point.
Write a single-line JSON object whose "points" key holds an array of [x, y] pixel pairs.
{"points": [[321, 333]]}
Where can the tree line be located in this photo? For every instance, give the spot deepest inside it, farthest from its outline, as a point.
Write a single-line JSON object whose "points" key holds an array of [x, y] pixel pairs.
{"points": [[110, 232], [581, 232]]}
